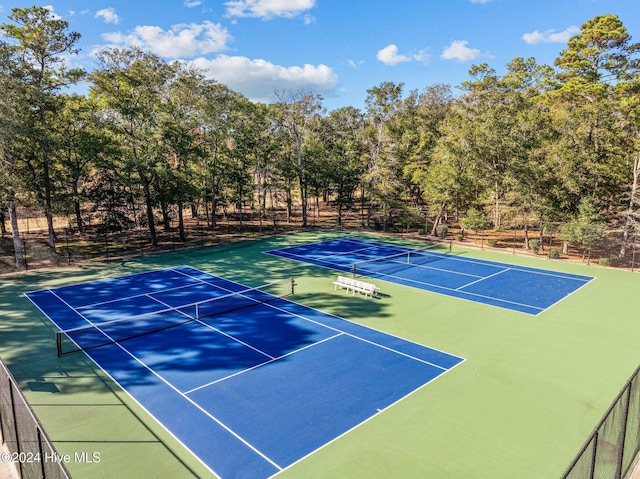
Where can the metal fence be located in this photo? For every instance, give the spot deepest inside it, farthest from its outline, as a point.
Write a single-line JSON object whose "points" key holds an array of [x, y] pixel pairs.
{"points": [[29, 448], [613, 445]]}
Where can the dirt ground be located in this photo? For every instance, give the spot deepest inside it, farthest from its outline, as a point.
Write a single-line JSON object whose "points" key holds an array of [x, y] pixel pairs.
{"points": [[73, 247]]}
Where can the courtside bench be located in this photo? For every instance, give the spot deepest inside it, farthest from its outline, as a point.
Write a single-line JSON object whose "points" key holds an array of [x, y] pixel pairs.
{"points": [[356, 286]]}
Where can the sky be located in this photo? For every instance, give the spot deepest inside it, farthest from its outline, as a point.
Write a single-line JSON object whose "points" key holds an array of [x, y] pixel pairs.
{"points": [[335, 48]]}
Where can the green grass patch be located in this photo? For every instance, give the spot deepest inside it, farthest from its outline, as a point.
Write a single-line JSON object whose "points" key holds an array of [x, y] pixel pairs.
{"points": [[521, 405]]}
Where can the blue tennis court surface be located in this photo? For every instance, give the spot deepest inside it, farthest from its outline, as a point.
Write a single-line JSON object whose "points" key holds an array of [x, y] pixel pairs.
{"points": [[518, 288], [249, 391]]}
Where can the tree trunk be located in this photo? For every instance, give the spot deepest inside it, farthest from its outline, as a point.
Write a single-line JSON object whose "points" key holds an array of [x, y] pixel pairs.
{"points": [[303, 186], [289, 205], [51, 239], [147, 198], [183, 238], [166, 220], [630, 224], [273, 211], [21, 262], [438, 219], [214, 202], [496, 217], [77, 209], [3, 220]]}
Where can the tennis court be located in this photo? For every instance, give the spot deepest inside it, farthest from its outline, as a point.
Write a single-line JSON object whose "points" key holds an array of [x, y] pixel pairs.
{"points": [[246, 379], [518, 288]]}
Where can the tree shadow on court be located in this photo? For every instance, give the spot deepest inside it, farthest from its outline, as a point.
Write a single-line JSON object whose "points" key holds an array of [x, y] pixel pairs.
{"points": [[53, 385]]}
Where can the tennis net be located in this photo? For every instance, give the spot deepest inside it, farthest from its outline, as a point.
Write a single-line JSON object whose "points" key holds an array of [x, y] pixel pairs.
{"points": [[96, 335], [397, 262]]}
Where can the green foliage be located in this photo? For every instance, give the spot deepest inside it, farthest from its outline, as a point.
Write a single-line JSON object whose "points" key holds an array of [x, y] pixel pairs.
{"points": [[586, 229], [474, 220], [441, 231], [492, 242], [523, 146], [554, 254], [535, 244]]}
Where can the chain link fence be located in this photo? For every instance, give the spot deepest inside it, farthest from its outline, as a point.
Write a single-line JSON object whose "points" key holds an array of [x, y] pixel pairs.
{"points": [[612, 447], [29, 448]]}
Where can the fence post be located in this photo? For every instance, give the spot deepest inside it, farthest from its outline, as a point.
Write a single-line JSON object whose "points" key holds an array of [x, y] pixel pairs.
{"points": [[594, 454], [43, 469], [624, 432], [15, 423]]}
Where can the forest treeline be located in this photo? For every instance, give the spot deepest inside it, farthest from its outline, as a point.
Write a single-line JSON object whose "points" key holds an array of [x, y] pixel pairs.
{"points": [[551, 147]]}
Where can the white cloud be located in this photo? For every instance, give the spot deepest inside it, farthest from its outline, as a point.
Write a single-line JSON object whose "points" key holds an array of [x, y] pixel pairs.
{"points": [[108, 15], [181, 41], [267, 9], [550, 36], [192, 4], [389, 55], [54, 15], [459, 51], [258, 79], [422, 56]]}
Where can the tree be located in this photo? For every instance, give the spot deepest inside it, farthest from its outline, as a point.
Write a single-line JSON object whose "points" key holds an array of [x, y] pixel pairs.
{"points": [[180, 130], [586, 229], [128, 85], [433, 107], [594, 64], [218, 102], [382, 176], [41, 42], [81, 140], [474, 220], [341, 154], [296, 111], [11, 131]]}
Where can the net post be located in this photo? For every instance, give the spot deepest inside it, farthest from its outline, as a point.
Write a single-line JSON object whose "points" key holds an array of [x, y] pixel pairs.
{"points": [[59, 343], [353, 270], [293, 286]]}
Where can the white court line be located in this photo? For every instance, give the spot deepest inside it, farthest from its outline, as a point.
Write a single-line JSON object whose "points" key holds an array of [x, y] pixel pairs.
{"points": [[453, 290], [152, 371], [567, 295], [353, 335], [92, 305], [100, 280], [494, 264], [498, 264], [373, 244], [524, 269], [216, 329], [423, 266], [342, 319], [272, 360], [279, 468], [482, 279]]}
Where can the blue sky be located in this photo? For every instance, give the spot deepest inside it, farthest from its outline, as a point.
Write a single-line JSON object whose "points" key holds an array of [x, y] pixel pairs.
{"points": [[337, 48]]}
